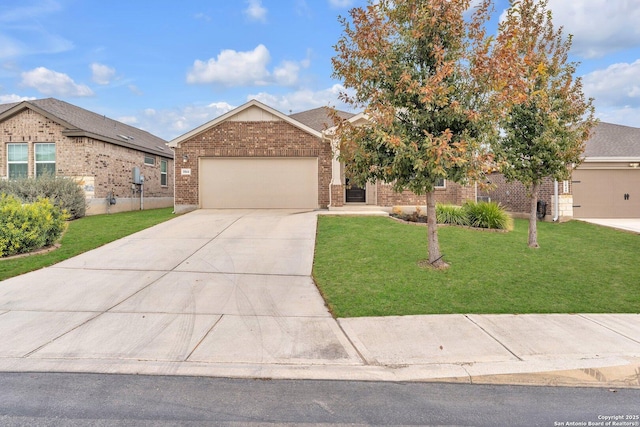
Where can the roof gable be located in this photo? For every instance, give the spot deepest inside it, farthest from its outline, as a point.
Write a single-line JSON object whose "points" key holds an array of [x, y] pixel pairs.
{"points": [[319, 118], [610, 141], [252, 111], [78, 122]]}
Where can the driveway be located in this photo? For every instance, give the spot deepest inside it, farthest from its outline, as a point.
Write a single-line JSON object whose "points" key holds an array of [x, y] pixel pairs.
{"points": [[230, 294], [627, 224], [206, 287]]}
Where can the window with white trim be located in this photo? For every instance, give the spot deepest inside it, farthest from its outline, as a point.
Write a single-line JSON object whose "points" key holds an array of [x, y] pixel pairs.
{"points": [[440, 183], [149, 160], [45, 158], [17, 160], [565, 187], [163, 173]]}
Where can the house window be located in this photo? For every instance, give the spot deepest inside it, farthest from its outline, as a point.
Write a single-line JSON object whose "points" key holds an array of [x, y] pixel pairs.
{"points": [[45, 159], [440, 183], [163, 172], [149, 160], [18, 160], [565, 187]]}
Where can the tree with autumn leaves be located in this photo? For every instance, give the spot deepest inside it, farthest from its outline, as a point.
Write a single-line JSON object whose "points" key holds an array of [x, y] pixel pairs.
{"points": [[408, 63], [543, 114], [437, 92]]}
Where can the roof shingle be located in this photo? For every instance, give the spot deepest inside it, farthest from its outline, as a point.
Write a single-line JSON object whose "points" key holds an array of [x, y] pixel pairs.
{"points": [[319, 118], [79, 122], [609, 140]]}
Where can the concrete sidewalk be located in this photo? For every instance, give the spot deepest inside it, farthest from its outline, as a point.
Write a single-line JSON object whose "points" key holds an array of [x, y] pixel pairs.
{"points": [[229, 293]]}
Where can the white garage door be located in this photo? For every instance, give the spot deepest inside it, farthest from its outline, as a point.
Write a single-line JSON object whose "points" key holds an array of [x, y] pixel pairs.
{"points": [[281, 182], [606, 193]]}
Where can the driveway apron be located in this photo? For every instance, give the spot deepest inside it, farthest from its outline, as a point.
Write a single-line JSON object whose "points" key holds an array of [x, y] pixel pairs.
{"points": [[211, 286]]}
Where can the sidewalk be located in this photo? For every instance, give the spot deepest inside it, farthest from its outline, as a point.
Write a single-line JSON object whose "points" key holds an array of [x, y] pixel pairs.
{"points": [[229, 294]]}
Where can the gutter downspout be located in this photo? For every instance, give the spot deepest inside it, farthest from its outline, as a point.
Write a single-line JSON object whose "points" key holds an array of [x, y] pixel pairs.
{"points": [[556, 201]]}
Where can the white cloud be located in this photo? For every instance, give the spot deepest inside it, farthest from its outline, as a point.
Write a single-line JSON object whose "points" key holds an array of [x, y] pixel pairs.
{"points": [[9, 99], [598, 26], [49, 82], [130, 120], [340, 3], [233, 68], [22, 34], [302, 100], [102, 74], [169, 124], [617, 85], [202, 16], [255, 11], [135, 90]]}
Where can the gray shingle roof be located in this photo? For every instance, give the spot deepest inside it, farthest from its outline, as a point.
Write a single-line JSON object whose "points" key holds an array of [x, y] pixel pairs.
{"points": [[609, 140], [80, 122], [319, 118]]}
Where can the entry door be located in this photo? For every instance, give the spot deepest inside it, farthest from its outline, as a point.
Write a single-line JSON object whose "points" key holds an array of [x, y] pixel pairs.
{"points": [[355, 194]]}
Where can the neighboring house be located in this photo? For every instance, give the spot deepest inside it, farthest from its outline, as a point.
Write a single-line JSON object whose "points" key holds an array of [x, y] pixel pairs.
{"points": [[52, 136], [257, 157], [605, 185]]}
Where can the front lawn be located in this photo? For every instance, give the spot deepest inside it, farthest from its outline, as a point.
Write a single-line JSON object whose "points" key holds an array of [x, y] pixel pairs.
{"points": [[368, 266], [85, 234]]}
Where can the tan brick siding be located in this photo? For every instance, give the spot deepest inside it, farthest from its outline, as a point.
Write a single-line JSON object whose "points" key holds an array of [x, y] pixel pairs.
{"points": [[515, 197], [249, 139], [453, 193], [110, 165]]}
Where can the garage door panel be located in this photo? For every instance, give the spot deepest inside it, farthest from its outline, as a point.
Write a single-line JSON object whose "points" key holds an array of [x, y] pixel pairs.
{"points": [[259, 182], [599, 193]]}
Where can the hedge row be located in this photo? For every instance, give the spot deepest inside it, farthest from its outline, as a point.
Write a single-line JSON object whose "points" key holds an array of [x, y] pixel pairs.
{"points": [[27, 227], [63, 192]]}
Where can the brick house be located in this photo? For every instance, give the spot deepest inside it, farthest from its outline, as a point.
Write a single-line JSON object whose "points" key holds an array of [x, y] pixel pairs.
{"points": [[257, 157], [605, 185], [52, 136]]}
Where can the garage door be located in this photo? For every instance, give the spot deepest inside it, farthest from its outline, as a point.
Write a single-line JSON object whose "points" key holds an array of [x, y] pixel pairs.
{"points": [[259, 182], [606, 193]]}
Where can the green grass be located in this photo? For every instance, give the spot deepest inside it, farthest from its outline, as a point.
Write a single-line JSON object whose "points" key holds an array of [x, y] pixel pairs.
{"points": [[368, 266], [85, 234]]}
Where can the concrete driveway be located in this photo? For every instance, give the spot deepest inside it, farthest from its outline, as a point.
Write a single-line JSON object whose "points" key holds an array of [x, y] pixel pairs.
{"points": [[230, 293], [209, 287], [627, 224]]}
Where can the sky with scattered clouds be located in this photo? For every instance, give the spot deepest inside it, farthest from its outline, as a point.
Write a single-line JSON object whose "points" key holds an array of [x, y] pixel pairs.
{"points": [[168, 67]]}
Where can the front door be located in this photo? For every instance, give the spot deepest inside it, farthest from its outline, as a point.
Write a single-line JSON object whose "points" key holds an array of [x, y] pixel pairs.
{"points": [[355, 194]]}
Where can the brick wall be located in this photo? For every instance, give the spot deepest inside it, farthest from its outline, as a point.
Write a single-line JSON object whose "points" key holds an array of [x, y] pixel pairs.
{"points": [[515, 198], [453, 193], [248, 139], [101, 167]]}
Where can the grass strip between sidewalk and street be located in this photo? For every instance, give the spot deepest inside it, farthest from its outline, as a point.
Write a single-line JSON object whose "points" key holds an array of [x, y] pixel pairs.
{"points": [[368, 266], [85, 234]]}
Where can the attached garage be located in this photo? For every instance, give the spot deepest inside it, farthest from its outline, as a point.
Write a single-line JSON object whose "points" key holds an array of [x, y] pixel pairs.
{"points": [[252, 157], [265, 182], [606, 193], [607, 183]]}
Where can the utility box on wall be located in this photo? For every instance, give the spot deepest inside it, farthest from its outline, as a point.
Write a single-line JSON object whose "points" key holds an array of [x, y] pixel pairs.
{"points": [[136, 177]]}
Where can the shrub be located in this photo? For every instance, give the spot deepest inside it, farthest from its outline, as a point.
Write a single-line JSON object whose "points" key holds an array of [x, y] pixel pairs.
{"points": [[451, 214], [63, 192], [487, 215], [27, 227]]}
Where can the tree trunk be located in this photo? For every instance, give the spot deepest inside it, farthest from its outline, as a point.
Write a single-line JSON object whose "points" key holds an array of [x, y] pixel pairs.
{"points": [[435, 258], [533, 217]]}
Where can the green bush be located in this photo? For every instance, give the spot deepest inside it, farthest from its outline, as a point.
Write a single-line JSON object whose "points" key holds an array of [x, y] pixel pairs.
{"points": [[63, 192], [27, 227], [487, 215], [451, 214]]}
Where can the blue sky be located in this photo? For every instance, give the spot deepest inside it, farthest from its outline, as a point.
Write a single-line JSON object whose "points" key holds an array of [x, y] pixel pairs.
{"points": [[168, 67]]}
